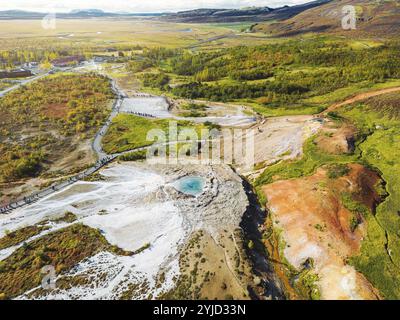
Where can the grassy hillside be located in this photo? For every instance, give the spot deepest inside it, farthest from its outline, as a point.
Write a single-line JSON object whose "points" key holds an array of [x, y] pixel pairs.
{"points": [[378, 145], [294, 77], [379, 260], [374, 18], [242, 14], [40, 123], [62, 249]]}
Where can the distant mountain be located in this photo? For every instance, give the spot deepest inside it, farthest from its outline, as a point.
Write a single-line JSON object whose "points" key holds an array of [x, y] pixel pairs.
{"points": [[236, 15], [74, 14], [373, 18], [256, 14], [19, 14], [88, 11]]}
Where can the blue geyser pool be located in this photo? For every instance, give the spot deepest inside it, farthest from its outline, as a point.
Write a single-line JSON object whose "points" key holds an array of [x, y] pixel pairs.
{"points": [[190, 185]]}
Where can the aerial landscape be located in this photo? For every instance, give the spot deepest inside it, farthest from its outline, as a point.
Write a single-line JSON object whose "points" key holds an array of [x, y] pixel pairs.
{"points": [[200, 152]]}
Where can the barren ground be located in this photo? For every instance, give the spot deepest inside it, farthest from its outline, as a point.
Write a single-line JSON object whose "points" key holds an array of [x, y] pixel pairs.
{"points": [[315, 224], [137, 207], [279, 138]]}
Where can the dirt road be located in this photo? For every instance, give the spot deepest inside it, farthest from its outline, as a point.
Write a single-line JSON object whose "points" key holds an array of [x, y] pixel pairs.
{"points": [[361, 97]]}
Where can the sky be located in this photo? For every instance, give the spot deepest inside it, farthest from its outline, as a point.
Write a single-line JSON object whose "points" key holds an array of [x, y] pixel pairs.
{"points": [[136, 5]]}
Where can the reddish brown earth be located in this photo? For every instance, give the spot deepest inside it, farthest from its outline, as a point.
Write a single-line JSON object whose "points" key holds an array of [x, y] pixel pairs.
{"points": [[312, 221], [315, 224], [374, 19], [337, 140], [56, 110]]}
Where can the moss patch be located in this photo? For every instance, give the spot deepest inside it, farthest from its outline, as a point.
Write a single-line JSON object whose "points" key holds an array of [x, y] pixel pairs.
{"points": [[20, 235], [63, 249], [128, 132]]}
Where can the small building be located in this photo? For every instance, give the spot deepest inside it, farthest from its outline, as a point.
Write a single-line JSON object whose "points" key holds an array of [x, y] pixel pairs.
{"points": [[67, 61], [31, 64], [100, 58], [19, 73]]}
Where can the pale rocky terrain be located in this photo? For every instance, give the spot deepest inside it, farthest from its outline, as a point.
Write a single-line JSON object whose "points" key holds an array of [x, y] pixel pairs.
{"points": [[279, 138], [136, 206]]}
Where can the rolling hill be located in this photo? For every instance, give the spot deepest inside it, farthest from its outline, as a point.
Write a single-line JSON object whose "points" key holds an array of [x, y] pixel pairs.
{"points": [[244, 14], [74, 14], [374, 18], [202, 15]]}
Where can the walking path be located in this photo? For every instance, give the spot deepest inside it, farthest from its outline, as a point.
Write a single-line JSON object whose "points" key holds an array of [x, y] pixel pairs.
{"points": [[22, 82], [361, 97], [103, 157], [88, 172], [97, 146]]}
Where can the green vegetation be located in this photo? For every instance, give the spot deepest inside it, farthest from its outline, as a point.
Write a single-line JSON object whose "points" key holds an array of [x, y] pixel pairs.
{"points": [[68, 217], [155, 80], [304, 280], [341, 94], [313, 158], [94, 177], [43, 122], [307, 285], [142, 248], [139, 66], [194, 110], [39, 122], [20, 235], [273, 111], [62, 249], [250, 245], [129, 132], [379, 260], [354, 206], [292, 77], [321, 228], [378, 147], [338, 170], [9, 59], [4, 85], [358, 210], [134, 156]]}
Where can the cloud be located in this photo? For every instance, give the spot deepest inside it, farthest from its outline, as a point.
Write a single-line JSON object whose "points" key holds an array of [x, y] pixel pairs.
{"points": [[138, 5]]}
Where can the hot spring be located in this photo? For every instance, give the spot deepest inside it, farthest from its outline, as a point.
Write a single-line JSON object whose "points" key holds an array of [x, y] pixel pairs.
{"points": [[190, 185]]}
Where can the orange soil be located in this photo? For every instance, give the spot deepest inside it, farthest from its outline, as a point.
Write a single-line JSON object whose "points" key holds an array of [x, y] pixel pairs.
{"points": [[316, 225], [336, 140], [56, 110]]}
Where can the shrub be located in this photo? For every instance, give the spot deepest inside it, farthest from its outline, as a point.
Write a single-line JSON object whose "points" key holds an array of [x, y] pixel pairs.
{"points": [[338, 170], [134, 156]]}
